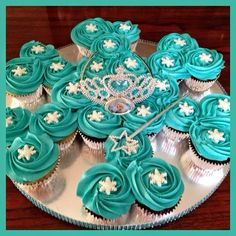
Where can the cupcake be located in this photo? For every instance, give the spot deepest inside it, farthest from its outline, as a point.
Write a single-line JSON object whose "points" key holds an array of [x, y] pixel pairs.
{"points": [[58, 122], [168, 63], [17, 123], [95, 124], [84, 33], [24, 77], [177, 42], [204, 65], [35, 49], [56, 69], [179, 119], [32, 161], [157, 187], [117, 151], [105, 193], [129, 31]]}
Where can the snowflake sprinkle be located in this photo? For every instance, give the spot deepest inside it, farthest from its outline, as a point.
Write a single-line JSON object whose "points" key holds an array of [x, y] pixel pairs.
{"points": [[96, 66], [216, 135], [124, 27], [26, 152], [143, 111], [158, 178], [130, 63], [37, 49], [162, 85], [224, 104], [108, 44], [180, 42], [167, 61], [205, 57], [107, 186], [73, 88], [19, 71], [96, 116], [57, 66], [91, 28], [52, 117], [186, 109]]}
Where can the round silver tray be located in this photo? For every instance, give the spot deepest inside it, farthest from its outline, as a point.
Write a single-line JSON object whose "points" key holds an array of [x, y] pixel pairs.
{"points": [[61, 201]]}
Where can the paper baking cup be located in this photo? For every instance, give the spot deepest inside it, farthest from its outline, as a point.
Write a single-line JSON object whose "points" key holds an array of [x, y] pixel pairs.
{"points": [[199, 85], [133, 46], [83, 51], [67, 142], [93, 145], [175, 135], [151, 137], [48, 90]]}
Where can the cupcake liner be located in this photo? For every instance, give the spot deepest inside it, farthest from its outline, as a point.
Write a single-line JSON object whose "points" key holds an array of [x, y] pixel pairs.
{"points": [[93, 145], [133, 46], [198, 85], [48, 90], [67, 142], [175, 135], [151, 137], [84, 51]]}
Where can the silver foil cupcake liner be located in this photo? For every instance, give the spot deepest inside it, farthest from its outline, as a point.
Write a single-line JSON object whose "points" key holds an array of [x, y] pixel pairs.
{"points": [[93, 145], [84, 51], [198, 85], [67, 142], [174, 135], [151, 137]]}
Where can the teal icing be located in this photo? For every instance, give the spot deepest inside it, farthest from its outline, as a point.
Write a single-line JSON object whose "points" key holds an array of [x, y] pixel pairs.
{"points": [[39, 164], [175, 71], [66, 125], [52, 76], [156, 198], [207, 147], [83, 37], [204, 70], [132, 34], [26, 83], [111, 206], [97, 129], [48, 53], [168, 42], [20, 123], [178, 120]]}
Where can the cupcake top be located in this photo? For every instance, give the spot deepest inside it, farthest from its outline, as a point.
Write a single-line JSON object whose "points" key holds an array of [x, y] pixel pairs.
{"points": [[204, 64], [95, 121], [127, 29], [56, 69], [53, 119], [110, 45], [23, 75], [30, 158], [88, 30], [178, 42], [122, 151], [216, 105], [17, 123], [181, 116], [142, 113], [105, 191], [211, 138], [155, 183], [168, 63], [38, 50]]}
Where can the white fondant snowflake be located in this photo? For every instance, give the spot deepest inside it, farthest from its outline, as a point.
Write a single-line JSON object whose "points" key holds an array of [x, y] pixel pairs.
{"points": [[57, 66], [108, 44], [91, 27], [180, 42], [130, 63], [19, 71], [158, 178], [224, 104], [186, 109], [37, 49], [167, 61], [96, 116], [52, 117], [124, 27], [107, 186], [162, 85], [96, 66], [26, 152], [205, 57], [9, 121], [143, 111], [73, 88], [216, 135]]}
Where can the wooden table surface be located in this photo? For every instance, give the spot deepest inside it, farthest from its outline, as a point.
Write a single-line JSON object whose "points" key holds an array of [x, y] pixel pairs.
{"points": [[209, 25]]}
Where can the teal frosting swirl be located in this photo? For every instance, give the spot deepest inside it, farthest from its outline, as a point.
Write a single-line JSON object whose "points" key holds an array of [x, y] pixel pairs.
{"points": [[119, 45], [19, 123], [47, 53], [39, 164], [94, 128], [29, 81], [201, 69], [81, 36], [136, 118], [168, 63], [66, 125], [121, 158], [179, 42], [94, 198], [156, 198], [211, 106], [206, 146], [130, 31], [179, 120], [51, 75]]}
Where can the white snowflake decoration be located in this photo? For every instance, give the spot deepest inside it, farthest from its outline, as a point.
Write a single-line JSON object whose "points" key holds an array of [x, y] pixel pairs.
{"points": [[37, 49], [216, 135], [57, 66], [186, 108], [167, 61], [124, 27], [224, 104], [131, 63], [19, 71], [26, 152], [96, 116], [73, 88], [91, 27], [52, 117], [107, 186], [205, 57], [96, 66], [162, 85], [9, 121], [180, 42], [108, 44], [143, 111], [158, 178]]}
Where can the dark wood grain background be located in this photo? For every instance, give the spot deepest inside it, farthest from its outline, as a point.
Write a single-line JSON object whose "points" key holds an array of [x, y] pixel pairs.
{"points": [[209, 25]]}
